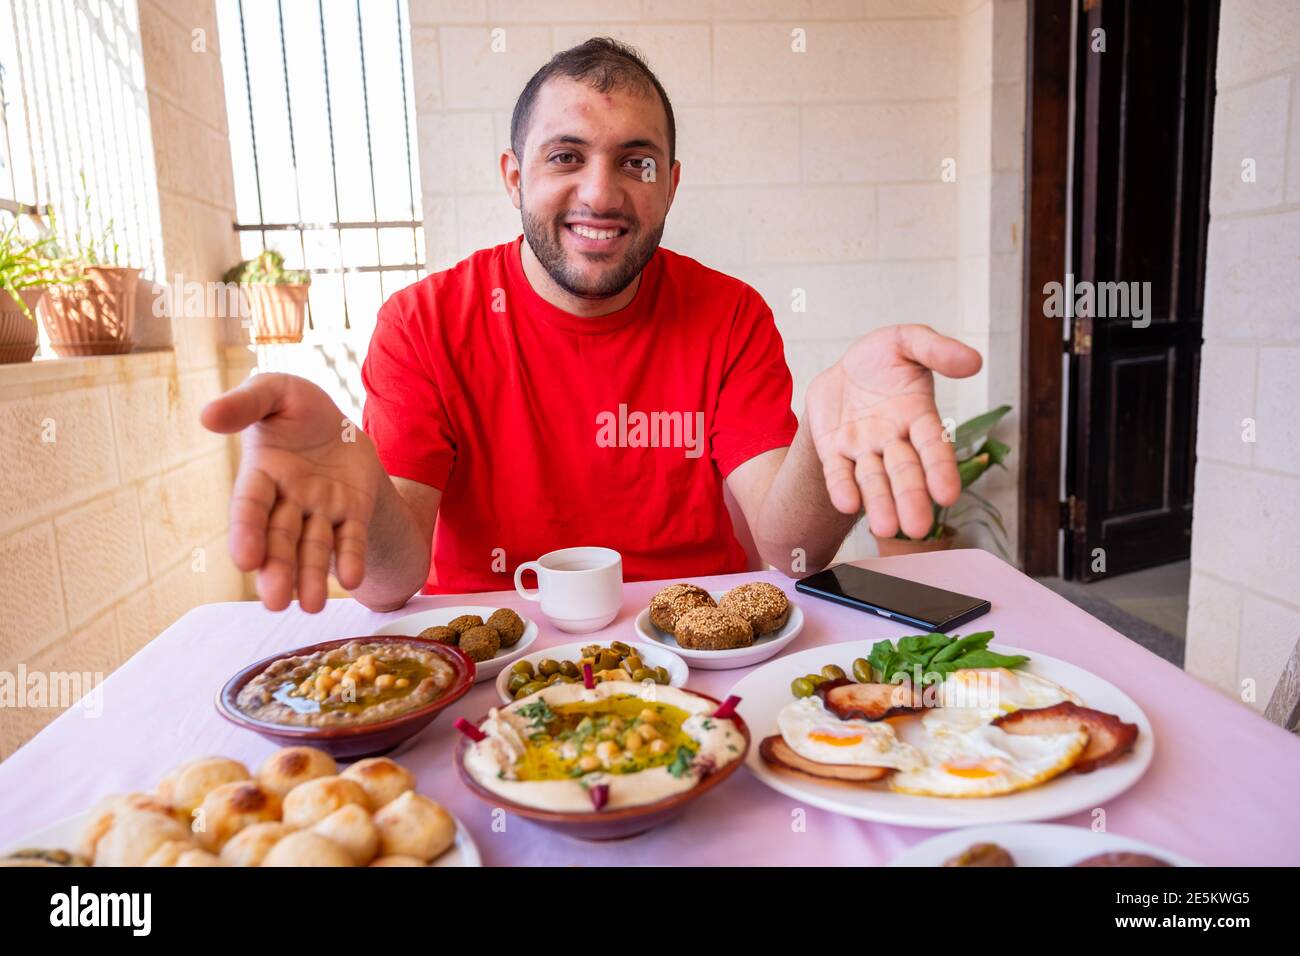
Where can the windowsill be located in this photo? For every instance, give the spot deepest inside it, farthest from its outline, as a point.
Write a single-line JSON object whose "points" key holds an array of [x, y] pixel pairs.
{"points": [[23, 379]]}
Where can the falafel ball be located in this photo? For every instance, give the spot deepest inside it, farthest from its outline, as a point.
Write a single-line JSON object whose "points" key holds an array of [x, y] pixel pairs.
{"points": [[481, 643], [442, 634], [463, 623], [508, 624]]}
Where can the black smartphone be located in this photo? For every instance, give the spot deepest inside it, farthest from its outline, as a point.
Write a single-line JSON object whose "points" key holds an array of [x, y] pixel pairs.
{"points": [[932, 609]]}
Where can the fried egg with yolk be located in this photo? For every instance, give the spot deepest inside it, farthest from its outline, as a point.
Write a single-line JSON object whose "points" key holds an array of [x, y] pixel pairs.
{"points": [[815, 733], [988, 762]]}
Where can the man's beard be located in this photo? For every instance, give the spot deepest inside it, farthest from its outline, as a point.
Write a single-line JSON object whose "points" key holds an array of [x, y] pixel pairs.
{"points": [[543, 237]]}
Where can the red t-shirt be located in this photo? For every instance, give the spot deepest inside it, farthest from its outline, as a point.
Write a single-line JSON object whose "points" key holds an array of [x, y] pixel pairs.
{"points": [[547, 430]]}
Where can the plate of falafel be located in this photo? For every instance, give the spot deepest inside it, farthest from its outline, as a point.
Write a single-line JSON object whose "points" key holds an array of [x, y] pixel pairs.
{"points": [[719, 630], [493, 637]]}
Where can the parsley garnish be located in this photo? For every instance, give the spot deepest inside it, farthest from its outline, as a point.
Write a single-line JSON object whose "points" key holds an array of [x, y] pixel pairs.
{"points": [[539, 712], [681, 762]]}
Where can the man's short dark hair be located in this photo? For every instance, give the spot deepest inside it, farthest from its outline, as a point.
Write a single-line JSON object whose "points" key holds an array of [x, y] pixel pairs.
{"points": [[604, 64]]}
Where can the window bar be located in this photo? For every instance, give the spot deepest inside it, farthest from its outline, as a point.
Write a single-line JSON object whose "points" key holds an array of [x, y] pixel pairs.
{"points": [[370, 150], [406, 127], [293, 150], [252, 125], [27, 111], [9, 149], [334, 173]]}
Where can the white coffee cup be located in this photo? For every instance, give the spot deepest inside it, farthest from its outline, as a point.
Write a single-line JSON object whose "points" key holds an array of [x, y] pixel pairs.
{"points": [[581, 589]]}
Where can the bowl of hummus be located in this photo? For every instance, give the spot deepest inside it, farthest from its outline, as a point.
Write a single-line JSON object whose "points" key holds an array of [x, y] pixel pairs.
{"points": [[354, 697], [601, 763]]}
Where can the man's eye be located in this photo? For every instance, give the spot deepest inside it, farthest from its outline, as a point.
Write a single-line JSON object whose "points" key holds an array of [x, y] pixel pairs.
{"points": [[641, 162], [563, 157]]}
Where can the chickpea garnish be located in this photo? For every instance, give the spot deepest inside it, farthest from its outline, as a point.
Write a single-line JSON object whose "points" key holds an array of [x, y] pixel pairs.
{"points": [[384, 681], [589, 763], [402, 682], [633, 741], [659, 747]]}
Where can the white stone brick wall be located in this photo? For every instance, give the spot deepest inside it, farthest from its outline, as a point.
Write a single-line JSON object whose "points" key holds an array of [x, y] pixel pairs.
{"points": [[1244, 615], [818, 171], [103, 529]]}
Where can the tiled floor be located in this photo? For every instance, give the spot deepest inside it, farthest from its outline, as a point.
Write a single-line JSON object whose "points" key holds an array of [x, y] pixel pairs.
{"points": [[1150, 606]]}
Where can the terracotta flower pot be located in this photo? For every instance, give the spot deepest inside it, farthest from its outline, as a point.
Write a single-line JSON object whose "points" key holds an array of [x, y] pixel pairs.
{"points": [[278, 312], [17, 331], [94, 317], [892, 547]]}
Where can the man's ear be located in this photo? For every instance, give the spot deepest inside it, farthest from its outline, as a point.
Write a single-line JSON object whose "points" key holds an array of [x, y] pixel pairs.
{"points": [[511, 175], [674, 178]]}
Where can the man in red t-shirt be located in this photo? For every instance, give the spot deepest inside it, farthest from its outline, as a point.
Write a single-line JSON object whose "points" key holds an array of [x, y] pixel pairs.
{"points": [[581, 385]]}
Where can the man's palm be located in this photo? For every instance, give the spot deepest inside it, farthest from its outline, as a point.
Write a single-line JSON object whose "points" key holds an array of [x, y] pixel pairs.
{"points": [[305, 491], [878, 432]]}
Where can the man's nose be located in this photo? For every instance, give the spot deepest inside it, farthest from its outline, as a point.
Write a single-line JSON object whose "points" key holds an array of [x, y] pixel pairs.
{"points": [[600, 190]]}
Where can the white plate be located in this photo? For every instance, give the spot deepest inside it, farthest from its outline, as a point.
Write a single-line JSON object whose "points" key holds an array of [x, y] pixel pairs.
{"points": [[1032, 844], [764, 692], [650, 654], [760, 650], [63, 836], [413, 624]]}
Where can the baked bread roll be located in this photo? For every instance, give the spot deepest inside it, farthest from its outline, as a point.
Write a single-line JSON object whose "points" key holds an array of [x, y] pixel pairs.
{"points": [[313, 801], [185, 787], [398, 860], [383, 780], [250, 845], [285, 769], [231, 807], [136, 835], [169, 853], [305, 848], [351, 828], [413, 825], [105, 812]]}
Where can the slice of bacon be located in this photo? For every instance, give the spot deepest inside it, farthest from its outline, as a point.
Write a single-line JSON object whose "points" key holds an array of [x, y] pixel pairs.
{"points": [[847, 699], [775, 751], [1109, 738]]}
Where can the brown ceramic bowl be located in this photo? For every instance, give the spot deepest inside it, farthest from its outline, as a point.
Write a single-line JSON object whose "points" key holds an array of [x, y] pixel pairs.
{"points": [[603, 824], [362, 740]]}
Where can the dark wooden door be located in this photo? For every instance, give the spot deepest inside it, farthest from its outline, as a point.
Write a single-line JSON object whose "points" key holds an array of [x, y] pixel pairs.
{"points": [[1144, 106]]}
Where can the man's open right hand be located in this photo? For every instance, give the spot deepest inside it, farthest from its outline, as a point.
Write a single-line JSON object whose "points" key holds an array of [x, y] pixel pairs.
{"points": [[306, 489]]}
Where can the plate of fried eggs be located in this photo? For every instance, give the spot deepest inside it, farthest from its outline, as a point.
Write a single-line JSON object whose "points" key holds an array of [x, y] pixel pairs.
{"points": [[975, 747]]}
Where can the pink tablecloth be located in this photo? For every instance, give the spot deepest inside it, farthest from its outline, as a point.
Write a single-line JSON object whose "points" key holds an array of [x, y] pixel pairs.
{"points": [[1222, 788]]}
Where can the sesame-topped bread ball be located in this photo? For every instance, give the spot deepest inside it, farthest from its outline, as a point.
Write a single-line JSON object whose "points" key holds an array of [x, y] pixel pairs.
{"points": [[713, 629], [674, 601], [763, 605]]}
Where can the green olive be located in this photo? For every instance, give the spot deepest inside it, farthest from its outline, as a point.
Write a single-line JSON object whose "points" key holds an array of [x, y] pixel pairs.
{"points": [[517, 681], [591, 650], [632, 663], [569, 669], [554, 678], [608, 661], [816, 679], [833, 672], [862, 670], [523, 667], [801, 687], [644, 673], [548, 667], [619, 648], [662, 675], [531, 688]]}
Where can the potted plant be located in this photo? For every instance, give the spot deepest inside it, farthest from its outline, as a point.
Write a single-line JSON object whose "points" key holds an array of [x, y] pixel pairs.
{"points": [[977, 452], [277, 297], [92, 309], [27, 268]]}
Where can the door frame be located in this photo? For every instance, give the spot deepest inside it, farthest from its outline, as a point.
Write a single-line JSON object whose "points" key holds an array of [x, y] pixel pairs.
{"points": [[1047, 181]]}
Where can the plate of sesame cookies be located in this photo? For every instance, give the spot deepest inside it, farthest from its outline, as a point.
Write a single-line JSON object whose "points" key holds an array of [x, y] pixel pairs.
{"points": [[720, 630]]}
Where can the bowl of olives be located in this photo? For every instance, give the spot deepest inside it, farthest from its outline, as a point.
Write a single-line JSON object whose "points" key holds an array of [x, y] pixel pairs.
{"points": [[614, 661]]}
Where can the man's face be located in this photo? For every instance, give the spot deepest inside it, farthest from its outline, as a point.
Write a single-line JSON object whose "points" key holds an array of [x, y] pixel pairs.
{"points": [[594, 186]]}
